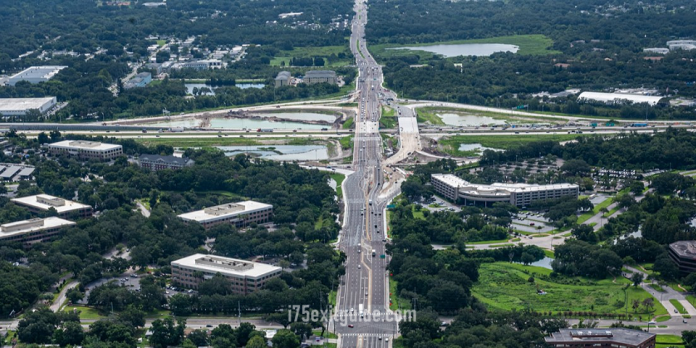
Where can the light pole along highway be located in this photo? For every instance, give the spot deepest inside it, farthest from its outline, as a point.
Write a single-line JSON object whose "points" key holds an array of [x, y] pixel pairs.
{"points": [[364, 288]]}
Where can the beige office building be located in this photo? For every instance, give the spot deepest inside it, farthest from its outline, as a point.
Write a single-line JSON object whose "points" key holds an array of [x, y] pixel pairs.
{"points": [[240, 214], [32, 231], [42, 203], [244, 276]]}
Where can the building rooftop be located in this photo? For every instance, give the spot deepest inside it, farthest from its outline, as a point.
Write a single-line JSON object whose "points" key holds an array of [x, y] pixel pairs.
{"points": [[85, 145], [25, 226], [14, 104], [684, 248], [45, 202], [587, 336], [166, 159], [320, 74], [46, 72], [224, 210], [497, 188], [615, 97], [226, 265], [283, 75]]}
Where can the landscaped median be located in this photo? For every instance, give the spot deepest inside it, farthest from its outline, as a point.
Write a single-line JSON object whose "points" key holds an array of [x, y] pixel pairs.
{"points": [[507, 286]]}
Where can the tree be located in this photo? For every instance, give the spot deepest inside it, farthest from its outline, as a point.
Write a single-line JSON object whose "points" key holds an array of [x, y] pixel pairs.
{"points": [[217, 285], [37, 326], [666, 267], [257, 342], [527, 258], [690, 281], [133, 315], [636, 278], [285, 339], [637, 187], [198, 337], [584, 233], [74, 295], [166, 333], [71, 334]]}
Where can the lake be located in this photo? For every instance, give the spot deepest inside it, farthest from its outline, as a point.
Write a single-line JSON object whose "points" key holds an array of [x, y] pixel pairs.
{"points": [[287, 152], [475, 147], [302, 116], [455, 50], [544, 263], [236, 123], [190, 86], [469, 120]]}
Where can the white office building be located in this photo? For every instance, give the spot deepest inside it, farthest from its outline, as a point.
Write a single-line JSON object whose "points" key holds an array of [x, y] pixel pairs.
{"points": [[35, 74], [619, 98], [32, 231], [86, 149], [456, 188], [244, 276], [240, 214], [42, 203]]}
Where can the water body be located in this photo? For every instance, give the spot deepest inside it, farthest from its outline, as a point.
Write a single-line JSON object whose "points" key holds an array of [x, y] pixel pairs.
{"points": [[455, 50], [302, 116], [190, 86], [475, 147], [469, 120], [287, 152], [544, 263], [235, 123]]}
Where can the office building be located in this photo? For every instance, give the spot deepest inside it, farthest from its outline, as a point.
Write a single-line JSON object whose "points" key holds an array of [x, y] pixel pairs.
{"points": [[203, 64], [601, 338], [240, 214], [32, 231], [455, 188], [15, 172], [619, 98], [244, 276], [140, 80], [157, 162], [320, 76], [686, 45], [20, 106], [683, 253], [35, 74], [42, 203], [86, 149], [283, 79]]}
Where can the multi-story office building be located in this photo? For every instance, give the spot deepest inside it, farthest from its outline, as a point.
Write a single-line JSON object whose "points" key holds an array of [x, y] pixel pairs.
{"points": [[283, 79], [601, 338], [683, 253], [320, 76], [244, 276], [157, 162], [240, 214], [455, 188], [32, 231], [42, 203], [86, 149]]}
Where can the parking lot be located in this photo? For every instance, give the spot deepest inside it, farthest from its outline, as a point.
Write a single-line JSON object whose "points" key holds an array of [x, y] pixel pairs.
{"points": [[531, 223]]}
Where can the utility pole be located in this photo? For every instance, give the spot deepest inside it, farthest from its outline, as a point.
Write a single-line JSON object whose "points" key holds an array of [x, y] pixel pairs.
{"points": [[239, 313]]}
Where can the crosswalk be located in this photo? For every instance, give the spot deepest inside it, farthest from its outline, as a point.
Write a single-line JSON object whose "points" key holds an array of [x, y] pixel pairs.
{"points": [[364, 335]]}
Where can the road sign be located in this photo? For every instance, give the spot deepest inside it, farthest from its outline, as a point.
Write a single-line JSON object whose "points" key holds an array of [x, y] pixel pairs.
{"points": [[382, 256], [391, 206]]}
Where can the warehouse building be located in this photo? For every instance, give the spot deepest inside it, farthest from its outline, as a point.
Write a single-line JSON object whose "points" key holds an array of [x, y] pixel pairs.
{"points": [[32, 231], [320, 76], [601, 338], [140, 80], [683, 253], [42, 203], [283, 79], [86, 149], [686, 45], [157, 162], [20, 106], [244, 276], [240, 214], [35, 74], [15, 172], [455, 188], [619, 98]]}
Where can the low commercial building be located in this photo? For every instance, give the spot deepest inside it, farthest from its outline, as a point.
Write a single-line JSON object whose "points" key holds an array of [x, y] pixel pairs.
{"points": [[86, 149], [20, 106], [244, 276], [601, 338], [240, 214], [42, 203], [157, 162], [283, 79], [140, 80], [35, 74], [455, 188], [32, 231], [619, 98], [204, 64], [683, 253], [686, 45], [320, 76]]}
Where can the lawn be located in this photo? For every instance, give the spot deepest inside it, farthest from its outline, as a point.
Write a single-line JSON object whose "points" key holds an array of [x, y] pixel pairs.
{"points": [[528, 45], [504, 286], [348, 123], [339, 179], [418, 214], [388, 118], [305, 52], [396, 300], [669, 340], [161, 43], [691, 299], [85, 312], [428, 115], [451, 144], [346, 142], [678, 306], [596, 210]]}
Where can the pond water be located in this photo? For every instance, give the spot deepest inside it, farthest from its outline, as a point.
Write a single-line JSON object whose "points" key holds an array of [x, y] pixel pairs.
{"points": [[302, 116], [475, 147], [190, 86], [235, 123], [280, 152], [455, 50], [469, 120], [544, 263]]}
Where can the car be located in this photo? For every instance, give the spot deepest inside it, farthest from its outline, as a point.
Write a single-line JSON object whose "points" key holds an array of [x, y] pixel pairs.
{"points": [[675, 311], [350, 326], [379, 338], [359, 267], [351, 310], [209, 325], [386, 339], [531, 224], [166, 292]]}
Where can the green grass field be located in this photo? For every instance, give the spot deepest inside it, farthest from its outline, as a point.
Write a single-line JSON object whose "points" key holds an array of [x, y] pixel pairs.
{"points": [[528, 45], [349, 123], [85, 312], [451, 144], [504, 286], [430, 116], [304, 52], [339, 180], [161, 43], [668, 341], [678, 306], [388, 118]]}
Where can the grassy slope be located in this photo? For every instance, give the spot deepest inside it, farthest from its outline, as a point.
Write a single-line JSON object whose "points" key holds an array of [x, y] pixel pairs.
{"points": [[339, 180], [504, 286], [451, 144]]}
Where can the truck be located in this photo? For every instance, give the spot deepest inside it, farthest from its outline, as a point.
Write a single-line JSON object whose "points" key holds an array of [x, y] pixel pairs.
{"points": [[361, 310], [639, 125], [265, 130], [373, 253], [176, 129]]}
